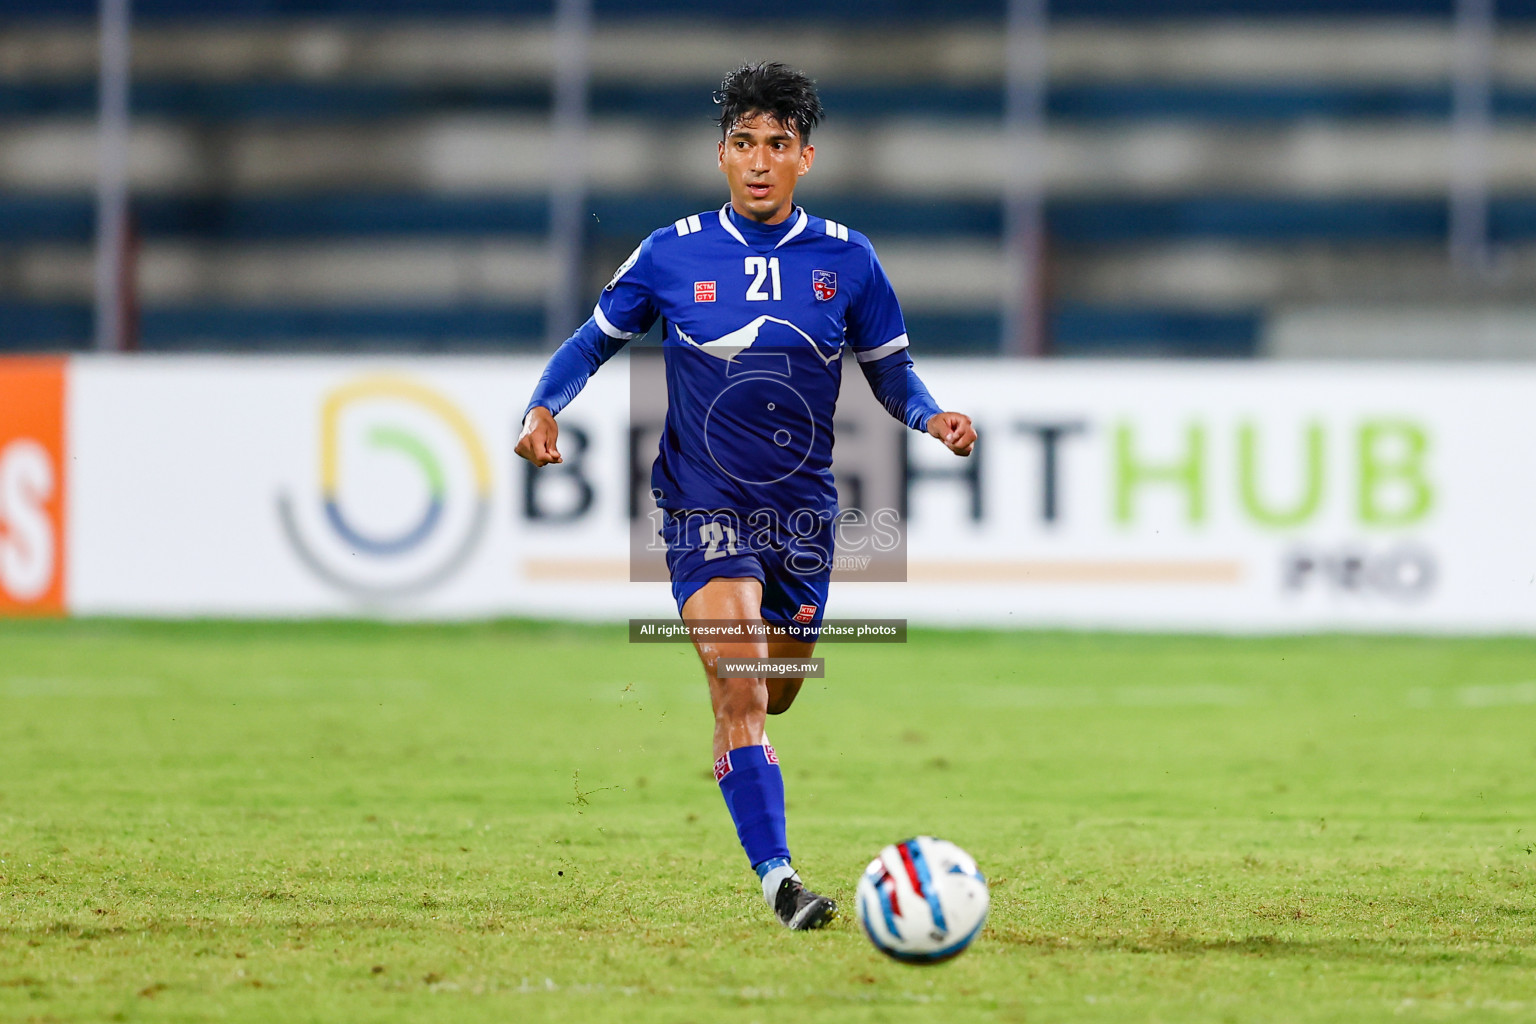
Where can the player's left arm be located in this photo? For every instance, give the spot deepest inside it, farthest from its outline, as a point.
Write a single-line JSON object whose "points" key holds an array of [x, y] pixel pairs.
{"points": [[878, 335], [895, 382]]}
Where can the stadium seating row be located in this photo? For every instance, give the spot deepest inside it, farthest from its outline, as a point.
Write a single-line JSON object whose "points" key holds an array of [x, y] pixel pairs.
{"points": [[1084, 331], [329, 101], [618, 217], [819, 10], [357, 182], [644, 53], [907, 159]]}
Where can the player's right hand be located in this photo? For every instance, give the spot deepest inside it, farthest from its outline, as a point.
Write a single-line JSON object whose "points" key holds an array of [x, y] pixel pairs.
{"points": [[537, 441]]}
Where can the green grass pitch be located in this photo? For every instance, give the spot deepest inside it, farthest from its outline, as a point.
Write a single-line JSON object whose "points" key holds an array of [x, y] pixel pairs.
{"points": [[517, 822]]}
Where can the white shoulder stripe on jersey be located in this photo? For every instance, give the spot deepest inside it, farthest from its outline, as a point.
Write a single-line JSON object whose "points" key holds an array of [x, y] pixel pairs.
{"points": [[891, 347], [837, 231], [607, 327], [694, 224], [682, 225]]}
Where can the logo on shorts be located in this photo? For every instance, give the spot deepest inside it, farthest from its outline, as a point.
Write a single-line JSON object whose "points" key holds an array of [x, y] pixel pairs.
{"points": [[722, 766], [824, 284], [806, 613], [703, 291], [771, 754]]}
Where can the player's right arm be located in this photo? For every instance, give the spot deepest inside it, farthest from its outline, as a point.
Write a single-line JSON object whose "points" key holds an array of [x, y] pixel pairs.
{"points": [[625, 310]]}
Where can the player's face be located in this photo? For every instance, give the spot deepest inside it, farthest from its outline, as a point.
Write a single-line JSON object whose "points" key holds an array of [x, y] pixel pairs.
{"points": [[762, 159]]}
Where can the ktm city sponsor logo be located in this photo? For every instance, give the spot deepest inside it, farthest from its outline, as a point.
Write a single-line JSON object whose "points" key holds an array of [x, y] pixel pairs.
{"points": [[413, 502], [32, 486]]}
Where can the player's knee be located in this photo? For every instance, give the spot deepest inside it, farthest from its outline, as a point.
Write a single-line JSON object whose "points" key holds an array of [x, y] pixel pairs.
{"points": [[711, 657], [737, 700]]}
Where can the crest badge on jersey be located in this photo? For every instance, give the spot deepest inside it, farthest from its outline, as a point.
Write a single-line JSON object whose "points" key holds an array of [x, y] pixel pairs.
{"points": [[824, 283], [806, 613]]}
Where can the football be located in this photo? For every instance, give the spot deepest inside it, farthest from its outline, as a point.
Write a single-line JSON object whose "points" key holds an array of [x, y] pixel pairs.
{"points": [[922, 901]]}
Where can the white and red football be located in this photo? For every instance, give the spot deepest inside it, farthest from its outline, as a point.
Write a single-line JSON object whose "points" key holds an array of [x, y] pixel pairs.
{"points": [[922, 901]]}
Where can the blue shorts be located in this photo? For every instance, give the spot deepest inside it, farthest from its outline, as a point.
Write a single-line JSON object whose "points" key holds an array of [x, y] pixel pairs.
{"points": [[793, 562]]}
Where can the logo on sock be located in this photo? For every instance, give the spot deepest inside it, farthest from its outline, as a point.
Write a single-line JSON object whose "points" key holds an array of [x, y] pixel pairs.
{"points": [[768, 752], [722, 766]]}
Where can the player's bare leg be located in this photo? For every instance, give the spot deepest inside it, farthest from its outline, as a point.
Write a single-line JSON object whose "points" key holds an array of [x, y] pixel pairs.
{"points": [[745, 763], [740, 704]]}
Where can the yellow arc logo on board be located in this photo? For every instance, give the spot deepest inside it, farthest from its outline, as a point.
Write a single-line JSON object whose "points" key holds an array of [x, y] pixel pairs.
{"points": [[397, 438]]}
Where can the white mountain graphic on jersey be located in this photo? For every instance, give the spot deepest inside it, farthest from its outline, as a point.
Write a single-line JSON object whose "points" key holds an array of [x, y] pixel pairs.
{"points": [[729, 346]]}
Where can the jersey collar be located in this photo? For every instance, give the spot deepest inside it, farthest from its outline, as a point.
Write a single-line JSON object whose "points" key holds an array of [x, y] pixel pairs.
{"points": [[800, 222]]}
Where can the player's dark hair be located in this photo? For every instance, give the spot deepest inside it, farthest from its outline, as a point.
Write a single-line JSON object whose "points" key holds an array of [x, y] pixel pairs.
{"points": [[769, 88]]}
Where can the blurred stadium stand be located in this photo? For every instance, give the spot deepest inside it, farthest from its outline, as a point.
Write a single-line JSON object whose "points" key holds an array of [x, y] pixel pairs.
{"points": [[350, 175]]}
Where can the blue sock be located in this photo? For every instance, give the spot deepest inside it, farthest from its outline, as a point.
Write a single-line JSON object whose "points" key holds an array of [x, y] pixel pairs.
{"points": [[771, 864], [753, 788]]}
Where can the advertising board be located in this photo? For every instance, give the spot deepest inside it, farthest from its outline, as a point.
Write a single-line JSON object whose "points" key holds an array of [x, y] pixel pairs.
{"points": [[1233, 497], [33, 487]]}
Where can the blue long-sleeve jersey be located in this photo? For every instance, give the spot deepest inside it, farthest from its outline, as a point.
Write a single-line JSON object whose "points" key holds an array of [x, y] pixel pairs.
{"points": [[755, 319]]}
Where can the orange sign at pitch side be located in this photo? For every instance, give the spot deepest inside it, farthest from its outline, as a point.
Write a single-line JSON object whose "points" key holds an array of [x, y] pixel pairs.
{"points": [[32, 498]]}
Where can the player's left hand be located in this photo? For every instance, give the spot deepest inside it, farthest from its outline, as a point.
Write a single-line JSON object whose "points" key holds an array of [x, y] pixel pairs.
{"points": [[955, 430]]}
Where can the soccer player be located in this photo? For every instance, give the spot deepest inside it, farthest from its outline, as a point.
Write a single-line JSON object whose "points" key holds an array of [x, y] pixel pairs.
{"points": [[758, 301]]}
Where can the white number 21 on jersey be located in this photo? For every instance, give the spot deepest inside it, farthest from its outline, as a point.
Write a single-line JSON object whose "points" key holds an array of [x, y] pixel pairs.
{"points": [[763, 268]]}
